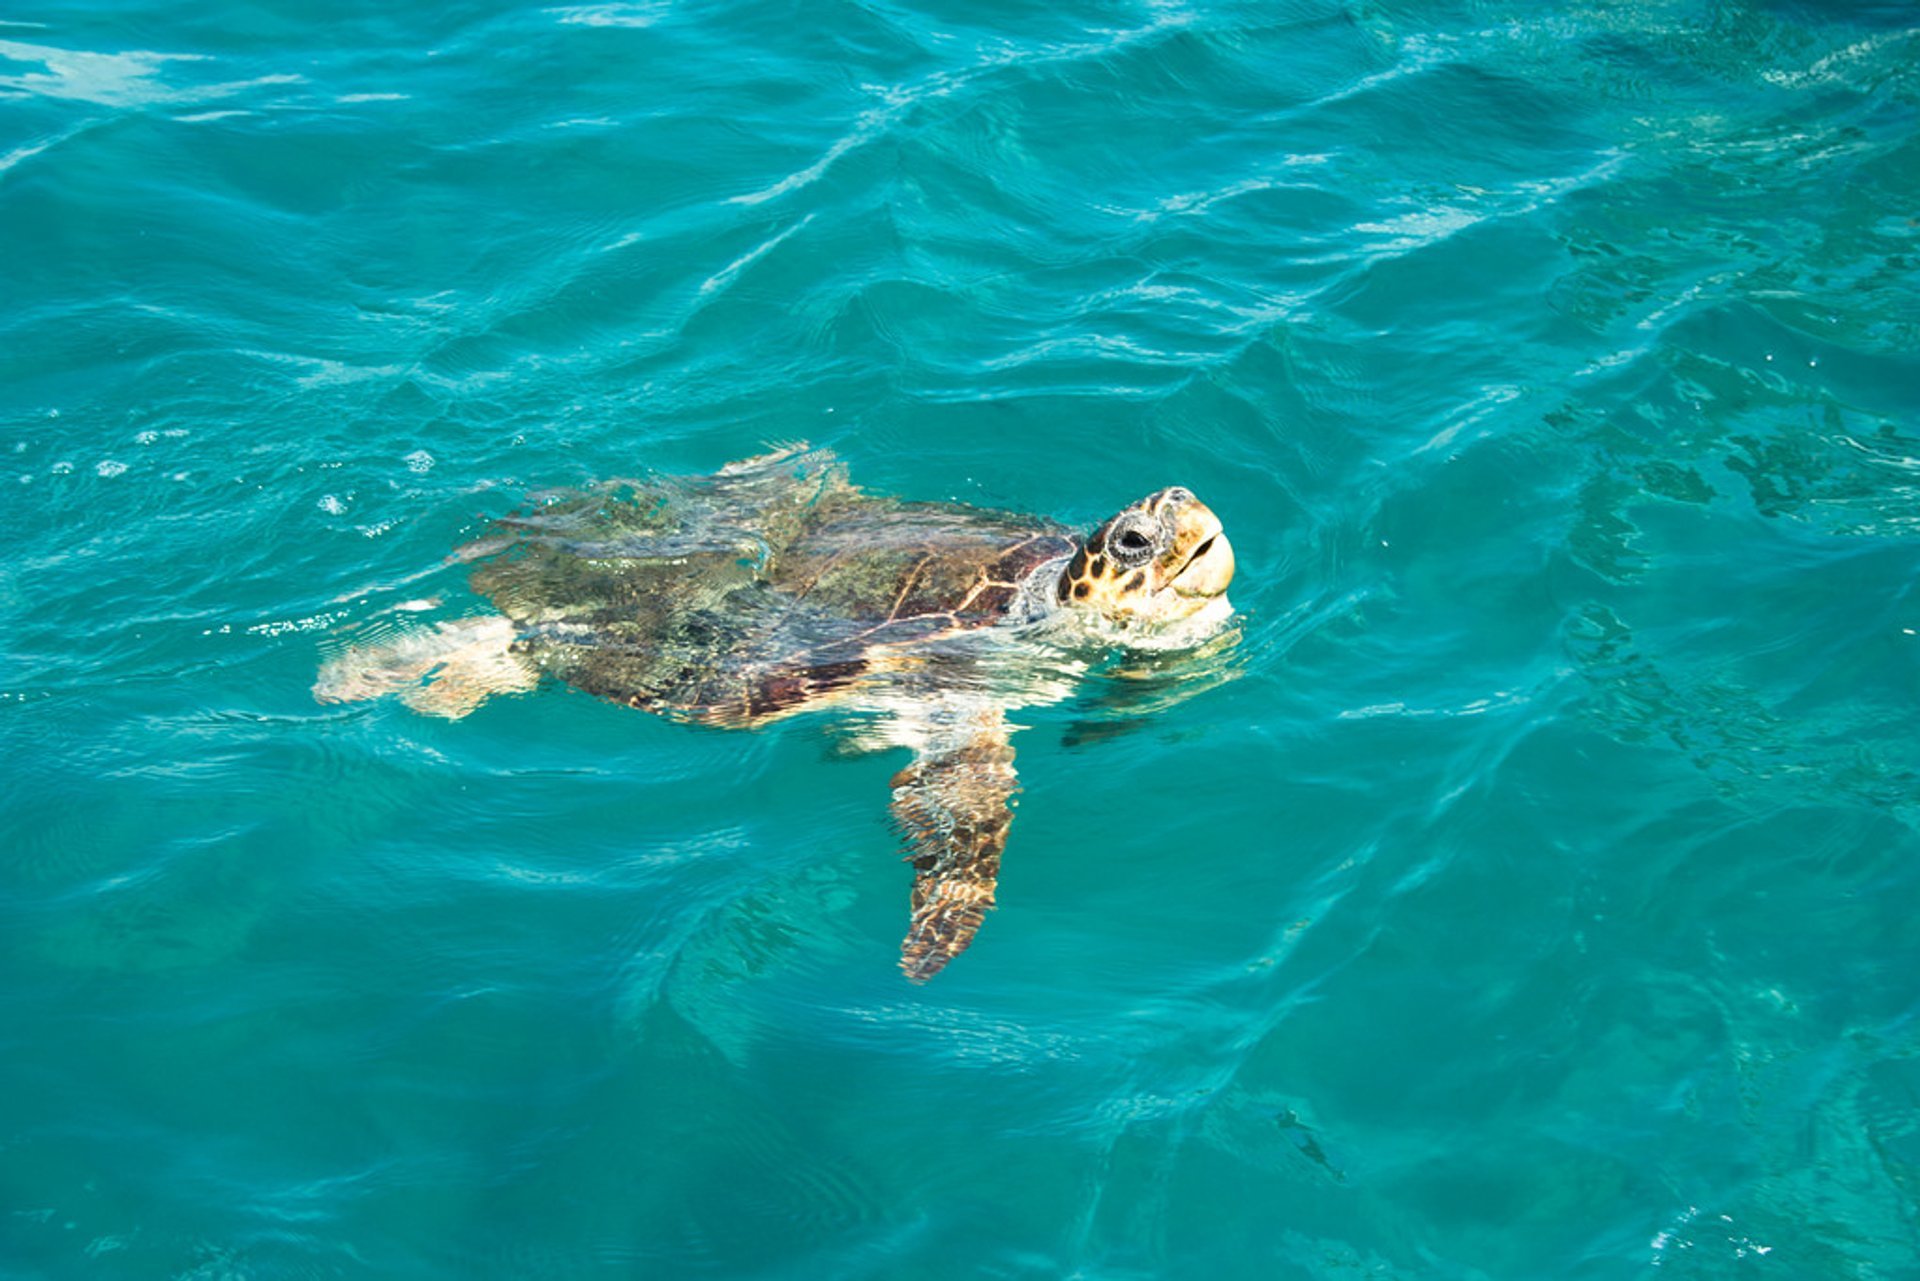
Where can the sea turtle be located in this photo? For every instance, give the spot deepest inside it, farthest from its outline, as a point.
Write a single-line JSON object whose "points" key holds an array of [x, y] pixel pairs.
{"points": [[775, 586]]}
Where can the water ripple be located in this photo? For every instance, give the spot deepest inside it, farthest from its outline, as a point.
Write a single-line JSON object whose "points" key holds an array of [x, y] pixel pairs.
{"points": [[1521, 890]]}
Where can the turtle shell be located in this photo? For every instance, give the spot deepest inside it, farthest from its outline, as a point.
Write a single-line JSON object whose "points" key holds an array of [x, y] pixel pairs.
{"points": [[752, 592]]}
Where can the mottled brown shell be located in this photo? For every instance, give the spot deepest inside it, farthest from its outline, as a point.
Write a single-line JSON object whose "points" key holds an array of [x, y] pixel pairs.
{"points": [[752, 592]]}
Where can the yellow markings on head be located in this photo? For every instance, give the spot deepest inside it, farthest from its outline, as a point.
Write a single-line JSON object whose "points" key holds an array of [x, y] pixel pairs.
{"points": [[1162, 559]]}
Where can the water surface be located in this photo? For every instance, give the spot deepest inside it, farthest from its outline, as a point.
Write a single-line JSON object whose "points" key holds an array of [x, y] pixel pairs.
{"points": [[1536, 901]]}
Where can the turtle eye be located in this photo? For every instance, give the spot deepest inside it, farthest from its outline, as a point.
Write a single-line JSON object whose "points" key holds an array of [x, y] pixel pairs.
{"points": [[1130, 545]]}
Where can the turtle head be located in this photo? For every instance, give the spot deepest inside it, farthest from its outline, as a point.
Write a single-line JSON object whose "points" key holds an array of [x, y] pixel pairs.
{"points": [[1161, 561]]}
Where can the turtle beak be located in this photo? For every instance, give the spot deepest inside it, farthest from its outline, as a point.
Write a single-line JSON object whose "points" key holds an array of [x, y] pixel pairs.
{"points": [[1202, 552]]}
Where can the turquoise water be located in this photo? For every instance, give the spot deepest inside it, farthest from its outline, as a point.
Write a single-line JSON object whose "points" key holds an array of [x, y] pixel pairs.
{"points": [[1536, 899]]}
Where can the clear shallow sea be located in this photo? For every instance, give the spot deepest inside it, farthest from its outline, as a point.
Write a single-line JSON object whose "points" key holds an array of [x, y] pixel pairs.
{"points": [[1538, 901]]}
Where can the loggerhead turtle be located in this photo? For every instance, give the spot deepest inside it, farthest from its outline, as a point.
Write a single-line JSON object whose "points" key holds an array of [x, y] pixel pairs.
{"points": [[775, 586]]}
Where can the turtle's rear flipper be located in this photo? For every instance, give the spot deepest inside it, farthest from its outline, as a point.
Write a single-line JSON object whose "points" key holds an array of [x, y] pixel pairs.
{"points": [[447, 670], [953, 805]]}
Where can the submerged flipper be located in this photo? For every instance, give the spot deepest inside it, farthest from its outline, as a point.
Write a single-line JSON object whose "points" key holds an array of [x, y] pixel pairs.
{"points": [[447, 670], [954, 805]]}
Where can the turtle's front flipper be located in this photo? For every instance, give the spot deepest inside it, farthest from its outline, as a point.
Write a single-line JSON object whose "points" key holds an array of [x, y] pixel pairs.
{"points": [[954, 806]]}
